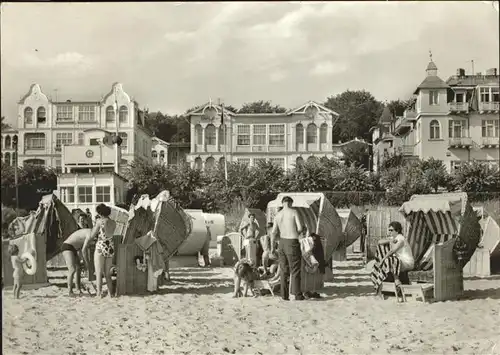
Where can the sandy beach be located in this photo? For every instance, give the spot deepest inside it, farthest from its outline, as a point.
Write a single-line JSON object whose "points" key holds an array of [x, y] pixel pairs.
{"points": [[195, 314]]}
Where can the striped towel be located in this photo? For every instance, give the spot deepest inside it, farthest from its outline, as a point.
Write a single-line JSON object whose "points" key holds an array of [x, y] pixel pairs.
{"points": [[390, 265]]}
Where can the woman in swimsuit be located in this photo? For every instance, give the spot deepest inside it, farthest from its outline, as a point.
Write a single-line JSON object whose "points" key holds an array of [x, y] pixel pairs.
{"points": [[104, 249]]}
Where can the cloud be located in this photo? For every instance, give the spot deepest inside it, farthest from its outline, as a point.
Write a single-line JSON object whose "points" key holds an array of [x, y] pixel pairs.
{"points": [[329, 68], [72, 60]]}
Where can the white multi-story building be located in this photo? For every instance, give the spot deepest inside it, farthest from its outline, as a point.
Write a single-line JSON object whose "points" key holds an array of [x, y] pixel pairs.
{"points": [[283, 138], [45, 126], [454, 121]]}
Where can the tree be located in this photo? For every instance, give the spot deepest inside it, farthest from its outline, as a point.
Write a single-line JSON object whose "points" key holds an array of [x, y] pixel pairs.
{"points": [[356, 153], [5, 125], [261, 107], [398, 107], [435, 173], [477, 177], [169, 128], [358, 110]]}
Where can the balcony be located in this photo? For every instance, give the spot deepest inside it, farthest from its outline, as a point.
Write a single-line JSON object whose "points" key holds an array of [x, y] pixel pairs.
{"points": [[489, 107], [406, 150], [490, 142], [401, 126], [463, 142], [458, 107], [88, 155]]}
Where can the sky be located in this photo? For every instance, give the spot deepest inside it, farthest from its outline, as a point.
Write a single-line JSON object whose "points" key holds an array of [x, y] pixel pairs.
{"points": [[172, 56]]}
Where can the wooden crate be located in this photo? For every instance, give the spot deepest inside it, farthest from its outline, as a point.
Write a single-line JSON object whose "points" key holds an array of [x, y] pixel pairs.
{"points": [[40, 278], [479, 264], [130, 280]]}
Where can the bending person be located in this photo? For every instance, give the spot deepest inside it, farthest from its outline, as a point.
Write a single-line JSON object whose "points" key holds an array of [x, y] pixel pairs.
{"points": [[287, 223], [104, 250], [70, 249], [397, 259]]}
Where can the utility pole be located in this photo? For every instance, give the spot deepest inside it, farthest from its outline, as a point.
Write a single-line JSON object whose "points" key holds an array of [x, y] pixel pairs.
{"points": [[16, 178]]}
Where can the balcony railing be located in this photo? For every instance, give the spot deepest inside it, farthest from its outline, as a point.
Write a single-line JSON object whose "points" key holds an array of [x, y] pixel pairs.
{"points": [[489, 106], [458, 106], [401, 126], [490, 142], [462, 142]]}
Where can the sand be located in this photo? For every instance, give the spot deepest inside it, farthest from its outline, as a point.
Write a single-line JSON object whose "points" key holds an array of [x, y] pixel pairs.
{"points": [[195, 314]]}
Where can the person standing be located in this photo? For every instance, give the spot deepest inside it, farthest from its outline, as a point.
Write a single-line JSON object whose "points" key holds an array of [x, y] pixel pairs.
{"points": [[289, 226], [104, 250], [250, 232]]}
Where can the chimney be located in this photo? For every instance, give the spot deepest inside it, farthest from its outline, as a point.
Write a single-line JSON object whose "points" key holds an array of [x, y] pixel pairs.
{"points": [[491, 71], [460, 72]]}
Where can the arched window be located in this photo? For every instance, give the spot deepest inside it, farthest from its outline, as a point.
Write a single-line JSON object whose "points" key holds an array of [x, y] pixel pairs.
{"points": [[41, 115], [123, 114], [162, 155], [110, 114], [299, 134], [221, 162], [199, 134], [210, 163], [210, 135], [435, 129], [198, 164], [323, 133], [154, 154], [312, 133], [222, 137], [7, 158], [38, 162], [299, 161], [28, 115], [7, 142]]}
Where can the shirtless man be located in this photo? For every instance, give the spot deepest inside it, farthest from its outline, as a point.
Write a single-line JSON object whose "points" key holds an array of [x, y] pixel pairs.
{"points": [[249, 231], [287, 223], [70, 249]]}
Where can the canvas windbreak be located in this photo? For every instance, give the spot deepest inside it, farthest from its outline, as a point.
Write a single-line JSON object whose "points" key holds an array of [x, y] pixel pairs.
{"points": [[436, 219]]}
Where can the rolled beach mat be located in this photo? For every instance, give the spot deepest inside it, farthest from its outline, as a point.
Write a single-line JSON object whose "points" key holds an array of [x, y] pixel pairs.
{"points": [[369, 265], [30, 265]]}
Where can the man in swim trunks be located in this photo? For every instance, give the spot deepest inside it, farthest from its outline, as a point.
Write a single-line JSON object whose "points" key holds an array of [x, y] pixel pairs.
{"points": [[70, 249], [250, 232]]}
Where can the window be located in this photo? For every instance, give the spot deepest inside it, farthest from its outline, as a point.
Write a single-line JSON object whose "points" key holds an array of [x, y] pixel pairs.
{"points": [[433, 97], [154, 154], [7, 158], [277, 134], [58, 165], [28, 115], [123, 114], [34, 141], [198, 164], [199, 134], [256, 161], [102, 194], [84, 194], [65, 113], [210, 163], [485, 94], [278, 162], [259, 134], [210, 134], [299, 134], [323, 133], [81, 138], [68, 194], [459, 97], [244, 161], [243, 134], [495, 94], [435, 129], [86, 113], [41, 115], [162, 155], [299, 161], [7, 142], [110, 114], [490, 128], [124, 138], [222, 132], [63, 139], [457, 128], [312, 133]]}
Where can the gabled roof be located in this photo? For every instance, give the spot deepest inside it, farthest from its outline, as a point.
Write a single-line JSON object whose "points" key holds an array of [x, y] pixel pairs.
{"points": [[201, 110], [33, 88], [386, 116], [160, 141], [319, 107], [432, 82]]}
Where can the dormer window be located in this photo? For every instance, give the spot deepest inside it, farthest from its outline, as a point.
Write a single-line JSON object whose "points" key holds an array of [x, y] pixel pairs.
{"points": [[41, 115], [433, 97]]}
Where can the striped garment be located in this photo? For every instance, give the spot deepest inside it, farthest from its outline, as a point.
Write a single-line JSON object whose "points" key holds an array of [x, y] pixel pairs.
{"points": [[390, 265]]}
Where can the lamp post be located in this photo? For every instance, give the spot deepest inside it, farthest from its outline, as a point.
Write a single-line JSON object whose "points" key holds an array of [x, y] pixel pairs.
{"points": [[16, 182]]}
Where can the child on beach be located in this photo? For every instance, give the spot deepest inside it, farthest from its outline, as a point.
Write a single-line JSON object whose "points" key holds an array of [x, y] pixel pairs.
{"points": [[17, 265]]}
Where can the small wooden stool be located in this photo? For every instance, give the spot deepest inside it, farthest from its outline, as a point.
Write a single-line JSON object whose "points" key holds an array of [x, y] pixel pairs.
{"points": [[416, 290]]}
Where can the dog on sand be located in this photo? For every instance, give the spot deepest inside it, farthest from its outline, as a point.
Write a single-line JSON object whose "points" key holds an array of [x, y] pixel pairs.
{"points": [[244, 273]]}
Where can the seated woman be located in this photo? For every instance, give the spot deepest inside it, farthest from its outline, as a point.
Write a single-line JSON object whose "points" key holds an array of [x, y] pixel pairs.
{"points": [[397, 259]]}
